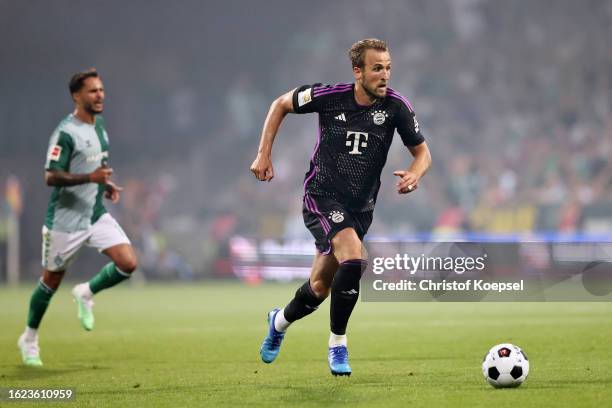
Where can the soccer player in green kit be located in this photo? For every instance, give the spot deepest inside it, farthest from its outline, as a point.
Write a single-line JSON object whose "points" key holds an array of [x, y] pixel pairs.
{"points": [[77, 169]]}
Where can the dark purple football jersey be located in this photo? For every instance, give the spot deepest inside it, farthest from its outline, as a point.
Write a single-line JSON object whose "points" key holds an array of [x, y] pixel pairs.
{"points": [[353, 141]]}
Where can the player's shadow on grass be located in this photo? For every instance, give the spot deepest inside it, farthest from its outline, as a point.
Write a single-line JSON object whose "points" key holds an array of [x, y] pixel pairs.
{"points": [[33, 373], [397, 359], [565, 383]]}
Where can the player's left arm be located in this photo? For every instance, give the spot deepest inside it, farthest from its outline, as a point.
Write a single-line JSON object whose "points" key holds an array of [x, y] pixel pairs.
{"points": [[112, 191], [410, 132], [409, 178]]}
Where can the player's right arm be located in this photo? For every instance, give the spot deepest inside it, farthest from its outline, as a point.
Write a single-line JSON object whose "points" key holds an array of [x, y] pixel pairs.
{"points": [[57, 165], [262, 165], [61, 178]]}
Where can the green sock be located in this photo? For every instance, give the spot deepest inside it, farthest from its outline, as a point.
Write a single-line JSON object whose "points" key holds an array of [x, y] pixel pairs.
{"points": [[38, 304], [107, 277]]}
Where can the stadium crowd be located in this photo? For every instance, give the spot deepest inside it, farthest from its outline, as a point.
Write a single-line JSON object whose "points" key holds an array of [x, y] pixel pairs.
{"points": [[515, 102]]}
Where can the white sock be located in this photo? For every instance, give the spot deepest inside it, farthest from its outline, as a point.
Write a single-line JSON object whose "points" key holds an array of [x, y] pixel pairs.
{"points": [[85, 290], [280, 323], [337, 340], [30, 333]]}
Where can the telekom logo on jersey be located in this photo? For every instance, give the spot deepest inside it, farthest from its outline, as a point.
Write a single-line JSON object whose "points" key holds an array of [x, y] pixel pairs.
{"points": [[356, 140]]}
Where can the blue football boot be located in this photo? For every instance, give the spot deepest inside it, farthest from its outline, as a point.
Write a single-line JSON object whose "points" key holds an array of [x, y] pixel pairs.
{"points": [[271, 344], [338, 360]]}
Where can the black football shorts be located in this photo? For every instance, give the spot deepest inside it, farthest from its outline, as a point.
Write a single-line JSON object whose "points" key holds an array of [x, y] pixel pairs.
{"points": [[325, 217]]}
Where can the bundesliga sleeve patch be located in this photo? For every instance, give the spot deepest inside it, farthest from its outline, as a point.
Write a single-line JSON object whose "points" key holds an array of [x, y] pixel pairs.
{"points": [[55, 152], [304, 97]]}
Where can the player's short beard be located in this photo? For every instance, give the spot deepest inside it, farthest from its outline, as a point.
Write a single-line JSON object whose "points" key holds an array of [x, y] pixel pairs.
{"points": [[89, 109], [371, 94]]}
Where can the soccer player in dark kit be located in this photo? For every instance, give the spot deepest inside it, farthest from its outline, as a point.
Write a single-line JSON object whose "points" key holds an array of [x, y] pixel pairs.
{"points": [[356, 126]]}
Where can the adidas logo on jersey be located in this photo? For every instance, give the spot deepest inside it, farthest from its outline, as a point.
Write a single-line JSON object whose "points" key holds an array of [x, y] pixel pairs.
{"points": [[341, 117]]}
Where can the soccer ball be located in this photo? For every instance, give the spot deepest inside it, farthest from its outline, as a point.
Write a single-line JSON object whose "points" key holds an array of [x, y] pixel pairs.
{"points": [[505, 366]]}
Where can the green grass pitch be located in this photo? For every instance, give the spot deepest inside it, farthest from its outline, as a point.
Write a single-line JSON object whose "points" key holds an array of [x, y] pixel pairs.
{"points": [[198, 345]]}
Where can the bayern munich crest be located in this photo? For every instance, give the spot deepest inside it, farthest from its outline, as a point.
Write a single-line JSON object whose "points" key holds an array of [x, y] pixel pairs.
{"points": [[379, 117], [336, 216]]}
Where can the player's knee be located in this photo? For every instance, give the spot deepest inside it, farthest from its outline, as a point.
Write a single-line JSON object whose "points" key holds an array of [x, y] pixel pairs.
{"points": [[52, 279], [347, 245], [127, 264], [320, 289]]}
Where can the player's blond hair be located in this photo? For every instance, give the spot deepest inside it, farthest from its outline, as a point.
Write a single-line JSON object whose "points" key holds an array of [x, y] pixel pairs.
{"points": [[358, 50]]}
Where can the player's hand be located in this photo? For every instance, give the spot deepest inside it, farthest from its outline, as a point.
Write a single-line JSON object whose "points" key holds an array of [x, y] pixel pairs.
{"points": [[101, 175], [262, 168], [408, 181], [112, 191]]}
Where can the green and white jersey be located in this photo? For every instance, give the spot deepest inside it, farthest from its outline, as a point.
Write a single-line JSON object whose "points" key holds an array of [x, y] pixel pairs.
{"points": [[79, 148]]}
